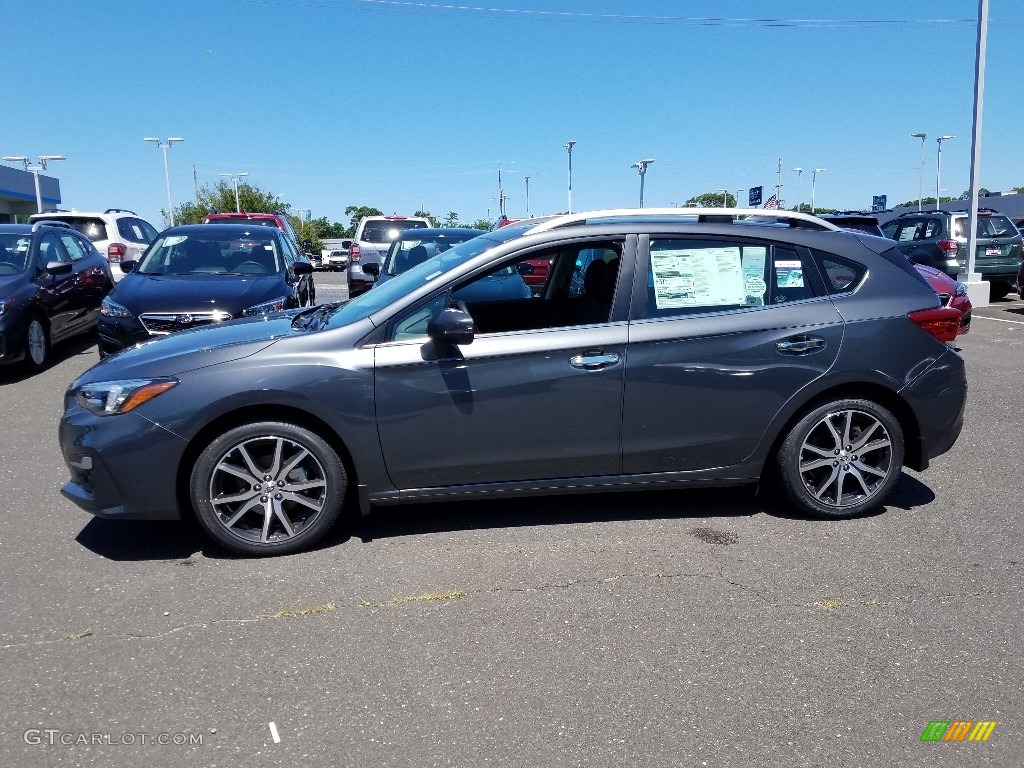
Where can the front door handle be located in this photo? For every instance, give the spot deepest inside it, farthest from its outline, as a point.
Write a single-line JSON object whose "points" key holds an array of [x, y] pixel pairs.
{"points": [[589, 362], [800, 345]]}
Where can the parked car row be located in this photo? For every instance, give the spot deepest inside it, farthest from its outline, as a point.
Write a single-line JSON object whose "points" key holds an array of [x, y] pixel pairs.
{"points": [[695, 348]]}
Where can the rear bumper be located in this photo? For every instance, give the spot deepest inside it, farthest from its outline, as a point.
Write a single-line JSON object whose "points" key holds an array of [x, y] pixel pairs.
{"points": [[938, 398]]}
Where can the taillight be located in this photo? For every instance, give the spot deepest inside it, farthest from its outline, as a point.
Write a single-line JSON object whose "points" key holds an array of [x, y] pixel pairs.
{"points": [[942, 323], [353, 253], [949, 247], [116, 252]]}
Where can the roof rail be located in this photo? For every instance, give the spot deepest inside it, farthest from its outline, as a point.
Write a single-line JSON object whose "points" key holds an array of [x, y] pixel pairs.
{"points": [[709, 215], [120, 210], [50, 223], [55, 210]]}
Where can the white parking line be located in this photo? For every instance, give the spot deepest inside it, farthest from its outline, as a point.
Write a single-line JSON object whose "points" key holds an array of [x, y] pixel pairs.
{"points": [[273, 732], [999, 320]]}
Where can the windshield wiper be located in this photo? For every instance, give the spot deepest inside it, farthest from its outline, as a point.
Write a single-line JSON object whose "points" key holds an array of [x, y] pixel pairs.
{"points": [[315, 315]]}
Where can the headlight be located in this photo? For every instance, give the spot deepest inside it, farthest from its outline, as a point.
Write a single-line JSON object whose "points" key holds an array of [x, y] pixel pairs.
{"points": [[5, 304], [106, 398], [961, 289], [113, 309], [266, 307]]}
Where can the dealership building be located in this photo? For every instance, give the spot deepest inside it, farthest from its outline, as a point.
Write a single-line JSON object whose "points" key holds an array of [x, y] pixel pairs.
{"points": [[18, 193]]}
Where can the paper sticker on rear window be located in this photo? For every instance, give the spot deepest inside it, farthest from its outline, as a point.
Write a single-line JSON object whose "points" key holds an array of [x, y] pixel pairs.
{"points": [[789, 273]]}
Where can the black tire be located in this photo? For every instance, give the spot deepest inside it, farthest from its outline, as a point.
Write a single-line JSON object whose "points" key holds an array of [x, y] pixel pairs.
{"points": [[997, 290], [268, 488], [37, 343], [841, 459]]}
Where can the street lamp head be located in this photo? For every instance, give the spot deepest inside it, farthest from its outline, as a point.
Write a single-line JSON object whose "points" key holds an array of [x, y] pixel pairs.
{"points": [[569, 145], [819, 170], [155, 141], [944, 138], [17, 159], [44, 158], [171, 141], [799, 170], [921, 136]]}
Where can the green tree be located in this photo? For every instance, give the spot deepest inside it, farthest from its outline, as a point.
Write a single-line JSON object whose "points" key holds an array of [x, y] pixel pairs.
{"points": [[452, 219], [221, 197], [434, 221], [355, 213], [711, 200], [925, 202], [482, 224]]}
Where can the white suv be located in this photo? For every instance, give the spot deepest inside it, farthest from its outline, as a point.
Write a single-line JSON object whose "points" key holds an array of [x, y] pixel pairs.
{"points": [[371, 242], [118, 234]]}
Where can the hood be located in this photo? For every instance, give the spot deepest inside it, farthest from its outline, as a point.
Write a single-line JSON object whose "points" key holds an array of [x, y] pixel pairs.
{"points": [[10, 284], [140, 293], [937, 279], [195, 348]]}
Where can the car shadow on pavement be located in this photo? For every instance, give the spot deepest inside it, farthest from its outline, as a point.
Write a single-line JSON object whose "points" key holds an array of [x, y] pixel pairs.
{"points": [[126, 540], [86, 345]]}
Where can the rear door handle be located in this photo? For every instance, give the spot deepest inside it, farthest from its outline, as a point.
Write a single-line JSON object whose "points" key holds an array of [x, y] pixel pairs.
{"points": [[590, 362], [800, 345]]}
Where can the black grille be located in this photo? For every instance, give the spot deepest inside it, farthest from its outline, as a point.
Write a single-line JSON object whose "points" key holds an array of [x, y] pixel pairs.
{"points": [[158, 324]]}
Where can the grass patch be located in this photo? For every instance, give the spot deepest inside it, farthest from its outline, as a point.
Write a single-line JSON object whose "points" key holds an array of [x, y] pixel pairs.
{"points": [[830, 605], [453, 595], [305, 611], [77, 635]]}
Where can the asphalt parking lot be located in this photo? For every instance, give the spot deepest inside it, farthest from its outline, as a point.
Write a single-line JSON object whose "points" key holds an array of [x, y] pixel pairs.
{"points": [[642, 629]]}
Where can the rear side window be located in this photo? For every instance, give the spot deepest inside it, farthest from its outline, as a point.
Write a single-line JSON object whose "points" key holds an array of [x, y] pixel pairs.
{"points": [[840, 275], [699, 276], [914, 229], [133, 231]]}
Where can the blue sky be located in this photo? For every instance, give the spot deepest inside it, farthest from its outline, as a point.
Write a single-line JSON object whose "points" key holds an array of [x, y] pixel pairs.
{"points": [[406, 104]]}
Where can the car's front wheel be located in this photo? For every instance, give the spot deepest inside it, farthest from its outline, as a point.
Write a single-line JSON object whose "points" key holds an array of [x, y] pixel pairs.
{"points": [[37, 344], [268, 488], [842, 459]]}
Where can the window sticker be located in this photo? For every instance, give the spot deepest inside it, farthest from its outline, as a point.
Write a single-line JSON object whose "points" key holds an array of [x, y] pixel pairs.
{"points": [[697, 277], [789, 273], [753, 275]]}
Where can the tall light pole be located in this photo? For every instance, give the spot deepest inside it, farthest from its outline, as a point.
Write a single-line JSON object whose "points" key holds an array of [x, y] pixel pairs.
{"points": [[938, 167], [725, 197], [568, 146], [738, 193], [167, 173], [234, 182], [527, 180], [920, 177], [814, 182], [36, 170], [799, 173], [641, 167]]}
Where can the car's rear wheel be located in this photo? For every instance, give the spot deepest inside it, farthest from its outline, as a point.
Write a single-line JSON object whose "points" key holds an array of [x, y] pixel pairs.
{"points": [[37, 344], [268, 488], [842, 459]]}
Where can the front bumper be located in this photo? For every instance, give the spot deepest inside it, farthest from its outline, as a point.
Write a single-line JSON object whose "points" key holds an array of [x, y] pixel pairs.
{"points": [[121, 466]]}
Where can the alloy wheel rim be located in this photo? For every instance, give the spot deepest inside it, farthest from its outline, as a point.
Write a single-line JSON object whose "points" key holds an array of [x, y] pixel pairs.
{"points": [[845, 458], [267, 489], [36, 342]]}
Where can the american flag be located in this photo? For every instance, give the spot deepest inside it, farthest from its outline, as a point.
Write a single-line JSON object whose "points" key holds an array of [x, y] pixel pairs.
{"points": [[772, 202]]}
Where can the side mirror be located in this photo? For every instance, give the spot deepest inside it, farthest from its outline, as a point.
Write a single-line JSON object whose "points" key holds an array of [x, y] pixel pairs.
{"points": [[55, 268], [303, 268], [451, 326], [524, 268], [128, 266], [373, 268]]}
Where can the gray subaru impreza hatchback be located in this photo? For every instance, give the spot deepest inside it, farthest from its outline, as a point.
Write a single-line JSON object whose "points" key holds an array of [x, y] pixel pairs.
{"points": [[667, 347]]}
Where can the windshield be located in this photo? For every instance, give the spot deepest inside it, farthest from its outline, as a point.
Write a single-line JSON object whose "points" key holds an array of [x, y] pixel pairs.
{"points": [[14, 250], [236, 220], [388, 292], [213, 252], [409, 251]]}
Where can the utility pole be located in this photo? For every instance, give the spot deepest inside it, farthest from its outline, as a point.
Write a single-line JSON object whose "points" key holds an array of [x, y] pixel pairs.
{"points": [[527, 178], [778, 187], [568, 146]]}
